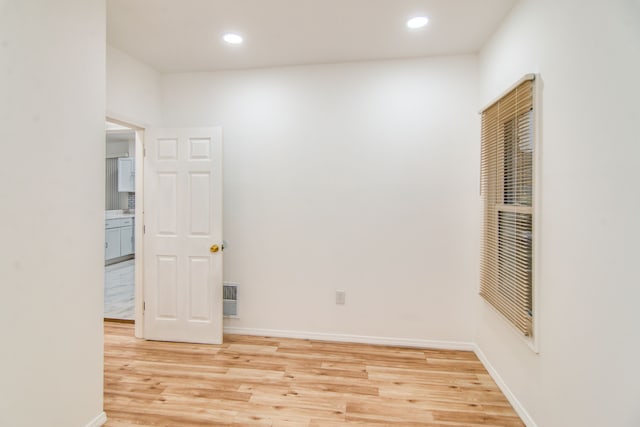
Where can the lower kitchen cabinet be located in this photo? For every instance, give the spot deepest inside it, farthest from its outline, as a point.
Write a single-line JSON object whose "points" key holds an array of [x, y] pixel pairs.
{"points": [[118, 239], [111, 243], [126, 240]]}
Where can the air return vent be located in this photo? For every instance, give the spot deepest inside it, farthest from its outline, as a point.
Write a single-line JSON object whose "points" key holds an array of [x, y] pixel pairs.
{"points": [[230, 299]]}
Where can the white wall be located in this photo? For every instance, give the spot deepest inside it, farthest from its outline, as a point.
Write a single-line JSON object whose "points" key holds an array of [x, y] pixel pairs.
{"points": [[588, 55], [133, 89], [52, 72], [361, 177]]}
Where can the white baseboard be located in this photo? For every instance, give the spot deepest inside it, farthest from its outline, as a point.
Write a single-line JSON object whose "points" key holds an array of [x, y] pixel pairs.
{"points": [[517, 406], [361, 339], [98, 421], [398, 342]]}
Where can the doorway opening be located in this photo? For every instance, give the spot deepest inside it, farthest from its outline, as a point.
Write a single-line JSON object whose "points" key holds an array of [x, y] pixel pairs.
{"points": [[123, 222]]}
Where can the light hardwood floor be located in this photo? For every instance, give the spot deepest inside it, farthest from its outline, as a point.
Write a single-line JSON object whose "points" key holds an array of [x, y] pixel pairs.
{"points": [[286, 382]]}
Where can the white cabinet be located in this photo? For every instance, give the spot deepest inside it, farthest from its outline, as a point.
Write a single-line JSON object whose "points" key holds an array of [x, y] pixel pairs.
{"points": [[118, 240], [111, 243], [126, 174], [126, 240]]}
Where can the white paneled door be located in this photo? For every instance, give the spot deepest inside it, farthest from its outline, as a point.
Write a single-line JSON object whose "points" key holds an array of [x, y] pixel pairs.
{"points": [[183, 235]]}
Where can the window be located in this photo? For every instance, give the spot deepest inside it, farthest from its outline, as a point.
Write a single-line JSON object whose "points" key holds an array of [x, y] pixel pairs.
{"points": [[506, 279]]}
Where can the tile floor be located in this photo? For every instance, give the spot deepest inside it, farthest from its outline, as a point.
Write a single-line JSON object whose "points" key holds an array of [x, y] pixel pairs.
{"points": [[119, 290]]}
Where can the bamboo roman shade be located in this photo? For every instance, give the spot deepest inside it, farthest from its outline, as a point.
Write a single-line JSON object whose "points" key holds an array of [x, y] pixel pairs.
{"points": [[507, 193]]}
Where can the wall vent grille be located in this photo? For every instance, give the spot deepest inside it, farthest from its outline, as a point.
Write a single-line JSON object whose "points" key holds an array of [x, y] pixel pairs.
{"points": [[230, 299]]}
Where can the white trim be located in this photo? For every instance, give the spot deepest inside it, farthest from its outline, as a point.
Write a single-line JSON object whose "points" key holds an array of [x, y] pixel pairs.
{"points": [[139, 236], [361, 339], [529, 341], [537, 223], [98, 421], [524, 78], [125, 121], [513, 400]]}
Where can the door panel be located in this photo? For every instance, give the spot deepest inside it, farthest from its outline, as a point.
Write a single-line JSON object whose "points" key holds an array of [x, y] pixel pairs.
{"points": [[199, 292], [183, 211], [167, 208], [199, 204]]}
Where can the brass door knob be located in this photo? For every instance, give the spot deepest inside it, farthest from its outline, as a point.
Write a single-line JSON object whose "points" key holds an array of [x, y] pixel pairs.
{"points": [[214, 248]]}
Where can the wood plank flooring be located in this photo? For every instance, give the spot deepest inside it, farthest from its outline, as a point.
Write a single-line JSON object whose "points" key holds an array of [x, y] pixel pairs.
{"points": [[257, 381]]}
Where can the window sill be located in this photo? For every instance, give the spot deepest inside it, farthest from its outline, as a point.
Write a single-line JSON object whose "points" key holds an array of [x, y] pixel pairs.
{"points": [[531, 342]]}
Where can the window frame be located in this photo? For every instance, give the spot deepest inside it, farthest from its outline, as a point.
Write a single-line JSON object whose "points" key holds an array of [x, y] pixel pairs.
{"points": [[532, 341]]}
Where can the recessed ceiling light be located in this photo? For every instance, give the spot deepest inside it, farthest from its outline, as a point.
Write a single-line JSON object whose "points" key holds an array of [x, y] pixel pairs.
{"points": [[232, 38], [417, 22]]}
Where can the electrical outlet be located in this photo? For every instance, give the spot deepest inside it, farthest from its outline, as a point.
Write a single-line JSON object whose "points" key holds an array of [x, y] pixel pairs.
{"points": [[340, 297]]}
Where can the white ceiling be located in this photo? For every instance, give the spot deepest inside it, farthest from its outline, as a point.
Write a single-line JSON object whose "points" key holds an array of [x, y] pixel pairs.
{"points": [[186, 35]]}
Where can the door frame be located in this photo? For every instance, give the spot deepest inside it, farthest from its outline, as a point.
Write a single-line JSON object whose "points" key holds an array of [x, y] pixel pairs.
{"points": [[139, 220]]}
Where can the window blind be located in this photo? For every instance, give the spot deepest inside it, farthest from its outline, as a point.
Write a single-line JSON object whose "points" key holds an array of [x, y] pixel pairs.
{"points": [[507, 193]]}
